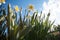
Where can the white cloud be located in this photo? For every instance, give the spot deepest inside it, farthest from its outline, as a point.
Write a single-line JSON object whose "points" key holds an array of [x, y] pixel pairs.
{"points": [[54, 7]]}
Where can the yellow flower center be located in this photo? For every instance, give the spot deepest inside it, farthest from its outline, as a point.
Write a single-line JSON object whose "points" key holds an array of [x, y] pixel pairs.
{"points": [[16, 8], [31, 7], [2, 1]]}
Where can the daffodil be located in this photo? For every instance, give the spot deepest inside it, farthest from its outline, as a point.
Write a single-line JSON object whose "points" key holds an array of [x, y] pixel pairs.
{"points": [[16, 8], [30, 7], [3, 1]]}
